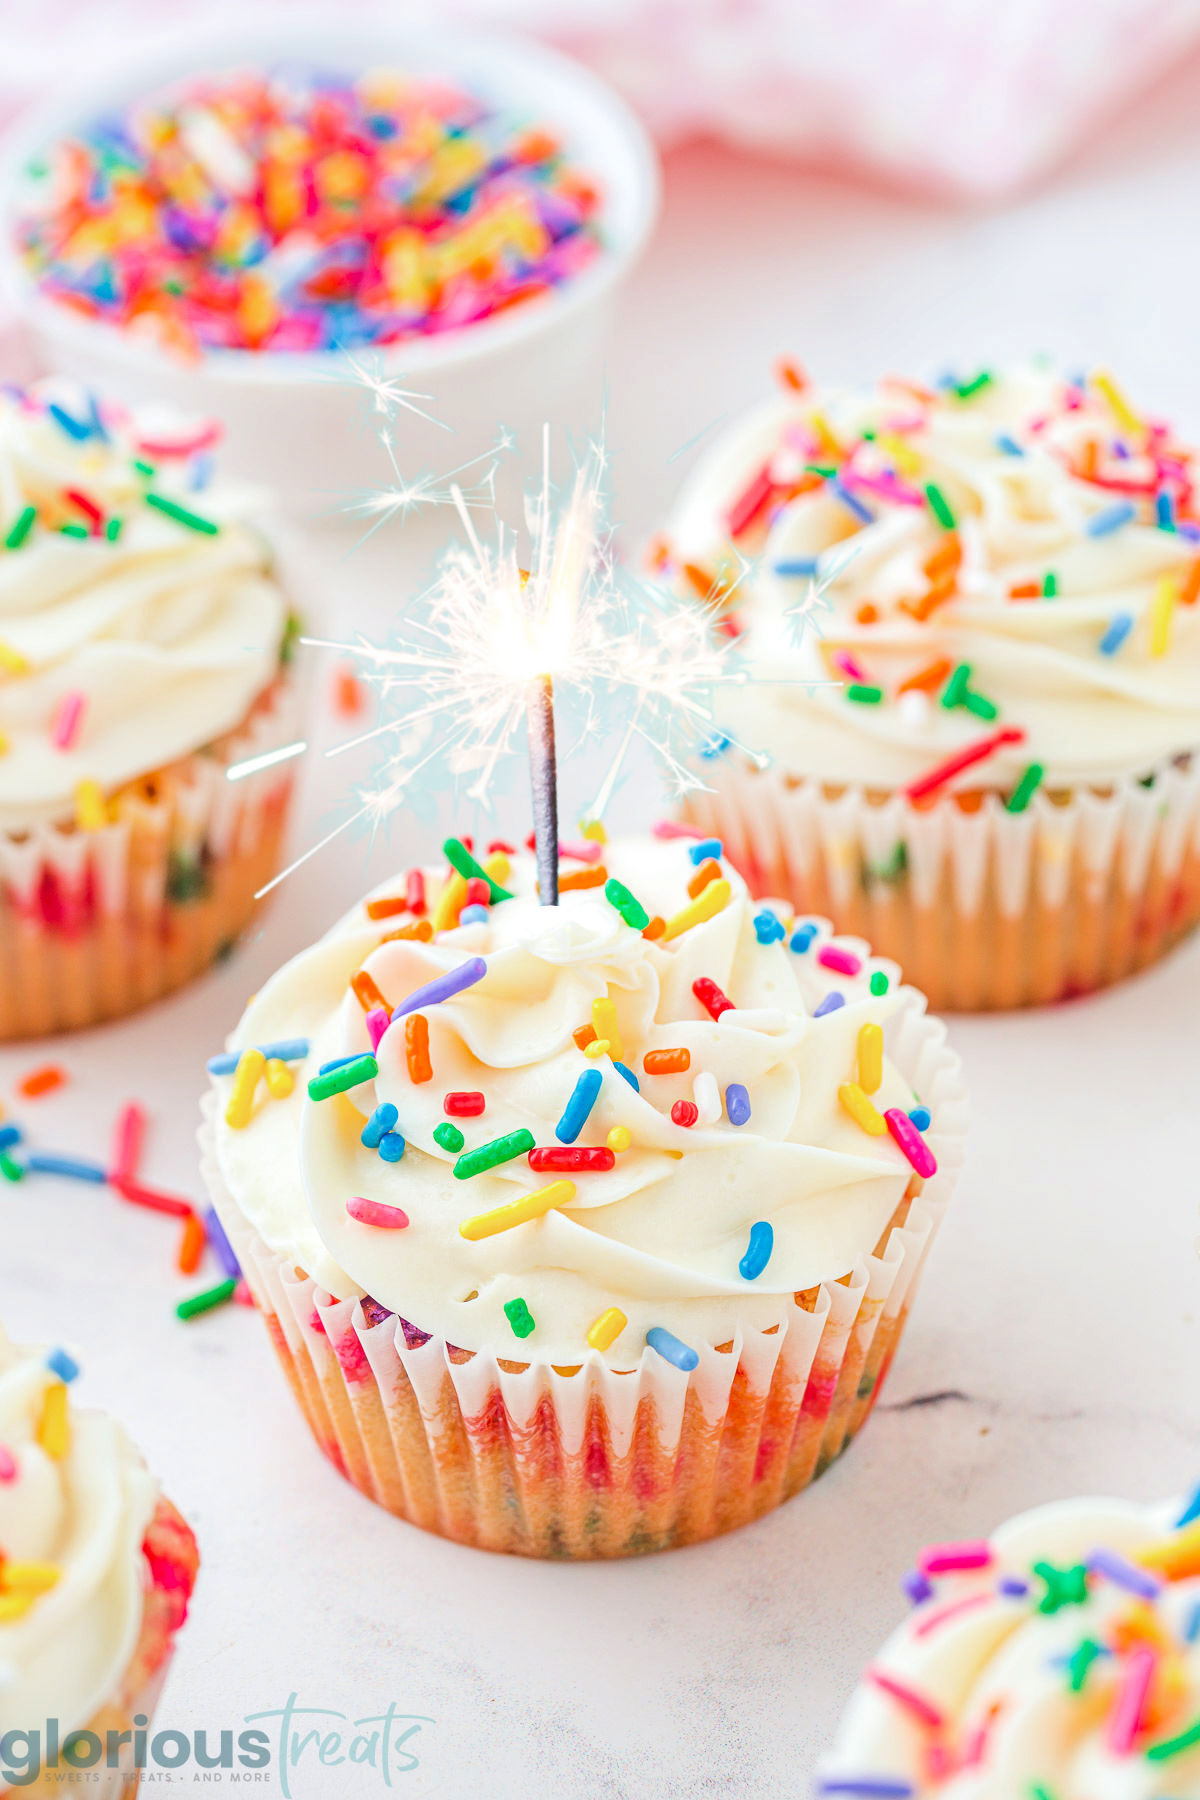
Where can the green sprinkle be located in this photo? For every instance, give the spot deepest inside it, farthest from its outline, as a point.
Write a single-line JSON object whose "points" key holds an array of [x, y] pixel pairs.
{"points": [[460, 859], [145, 468], [629, 907], [181, 514], [826, 471], [1173, 1746], [202, 1303], [75, 531], [10, 1168], [112, 530], [519, 1317], [1026, 788], [449, 1137], [939, 506], [866, 696], [1064, 1587], [1080, 1661], [955, 691], [879, 983], [981, 706], [291, 637], [21, 529], [1049, 585], [340, 1080], [966, 390], [1038, 1792], [489, 1156]]}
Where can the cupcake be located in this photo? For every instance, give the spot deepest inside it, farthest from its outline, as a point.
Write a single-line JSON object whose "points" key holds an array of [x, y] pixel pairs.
{"points": [[1060, 1656], [143, 650], [586, 1230], [96, 1571], [976, 606]]}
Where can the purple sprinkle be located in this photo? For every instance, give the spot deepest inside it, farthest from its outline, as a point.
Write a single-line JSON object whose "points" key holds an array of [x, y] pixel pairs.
{"points": [[1123, 1573], [829, 1004], [220, 1245], [1012, 1587], [917, 1586], [452, 982], [869, 1787]]}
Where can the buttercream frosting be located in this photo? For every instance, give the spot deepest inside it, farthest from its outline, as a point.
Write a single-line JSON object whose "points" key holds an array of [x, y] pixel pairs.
{"points": [[1055, 563], [661, 1234]]}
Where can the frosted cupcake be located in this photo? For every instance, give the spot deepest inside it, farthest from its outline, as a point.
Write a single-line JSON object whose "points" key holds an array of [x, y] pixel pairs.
{"points": [[1060, 1656], [143, 643], [586, 1230], [96, 1571], [977, 608]]}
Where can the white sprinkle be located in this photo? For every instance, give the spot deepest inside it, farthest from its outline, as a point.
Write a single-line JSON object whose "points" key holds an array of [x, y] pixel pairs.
{"points": [[707, 1096], [238, 771], [912, 709]]}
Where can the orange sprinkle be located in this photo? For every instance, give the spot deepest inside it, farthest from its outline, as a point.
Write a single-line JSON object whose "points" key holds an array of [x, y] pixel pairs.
{"points": [[583, 878], [655, 928], [416, 1048], [1087, 462], [584, 1035], [910, 387], [366, 992], [1025, 590], [42, 1081], [790, 375], [708, 871], [191, 1244], [1176, 1557], [388, 908], [658, 553], [868, 613], [348, 693], [707, 587], [420, 932], [1189, 593], [928, 678], [948, 555], [667, 1062], [936, 594]]}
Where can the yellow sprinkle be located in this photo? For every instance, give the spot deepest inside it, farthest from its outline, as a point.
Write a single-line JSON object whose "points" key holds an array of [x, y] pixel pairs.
{"points": [[594, 832], [597, 1047], [498, 867], [11, 661], [251, 1065], [870, 1057], [1126, 418], [604, 1024], [54, 1426], [820, 425], [606, 1328], [14, 1606], [707, 904], [529, 1206], [860, 1109], [91, 813], [449, 904], [280, 1080], [902, 454], [1175, 1557], [1162, 606], [619, 1139], [28, 1577]]}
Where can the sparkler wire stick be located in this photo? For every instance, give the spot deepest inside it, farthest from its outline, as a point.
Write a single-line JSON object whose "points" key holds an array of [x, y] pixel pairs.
{"points": [[543, 781]]}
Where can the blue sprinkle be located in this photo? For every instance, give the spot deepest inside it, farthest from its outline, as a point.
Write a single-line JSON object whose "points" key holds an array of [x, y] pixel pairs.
{"points": [[670, 1348], [1118, 631], [200, 472], [578, 1107], [802, 938], [1191, 1625], [767, 928], [64, 1366], [1164, 510], [338, 1062], [704, 849], [285, 1050], [796, 565], [1008, 444], [76, 428], [631, 1078], [474, 915], [1012, 1587], [9, 1135], [716, 745], [921, 1117], [917, 1585], [97, 423], [737, 1103], [758, 1250], [379, 1124], [1190, 1513], [391, 1146], [66, 1165], [220, 1245], [866, 1787], [1111, 519], [852, 503], [829, 1004]]}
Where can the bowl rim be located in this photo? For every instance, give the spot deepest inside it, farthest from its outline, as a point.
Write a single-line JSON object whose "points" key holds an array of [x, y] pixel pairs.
{"points": [[175, 52]]}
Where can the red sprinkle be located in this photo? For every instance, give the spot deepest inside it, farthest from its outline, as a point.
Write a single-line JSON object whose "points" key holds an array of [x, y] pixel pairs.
{"points": [[414, 891], [749, 503], [86, 506], [711, 998], [913, 1703], [463, 1106], [42, 1080], [152, 1198], [685, 1112], [571, 1156], [127, 1142], [348, 694], [842, 962], [479, 892], [964, 759]]}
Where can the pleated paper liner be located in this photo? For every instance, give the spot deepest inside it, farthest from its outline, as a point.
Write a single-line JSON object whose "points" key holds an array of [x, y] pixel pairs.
{"points": [[982, 908], [95, 923], [589, 1461]]}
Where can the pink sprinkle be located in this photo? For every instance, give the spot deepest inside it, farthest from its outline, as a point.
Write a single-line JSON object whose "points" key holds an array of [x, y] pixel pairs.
{"points": [[667, 828], [843, 962], [908, 1698], [944, 1559], [205, 439], [841, 659], [591, 852], [378, 1020], [242, 1294], [8, 1465], [909, 1140], [65, 728], [1126, 1718], [749, 502], [373, 1212], [945, 1613]]}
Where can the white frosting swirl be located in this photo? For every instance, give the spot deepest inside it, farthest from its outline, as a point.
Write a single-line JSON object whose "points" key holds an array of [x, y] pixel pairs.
{"points": [[1010, 461], [661, 1234], [85, 1513], [997, 1668], [168, 633]]}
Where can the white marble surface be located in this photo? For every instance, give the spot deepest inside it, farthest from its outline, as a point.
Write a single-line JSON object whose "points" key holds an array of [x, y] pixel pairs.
{"points": [[1051, 1348]]}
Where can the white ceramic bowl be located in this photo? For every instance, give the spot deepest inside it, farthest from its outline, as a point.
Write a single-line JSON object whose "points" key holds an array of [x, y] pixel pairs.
{"points": [[292, 422]]}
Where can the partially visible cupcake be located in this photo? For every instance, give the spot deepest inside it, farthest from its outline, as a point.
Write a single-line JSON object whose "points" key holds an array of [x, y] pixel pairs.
{"points": [[144, 644], [1059, 1657], [96, 1571], [972, 610], [583, 1230]]}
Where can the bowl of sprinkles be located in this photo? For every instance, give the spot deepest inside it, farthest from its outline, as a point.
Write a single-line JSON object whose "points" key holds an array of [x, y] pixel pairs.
{"points": [[978, 602], [587, 1229], [264, 240], [1057, 1658]]}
